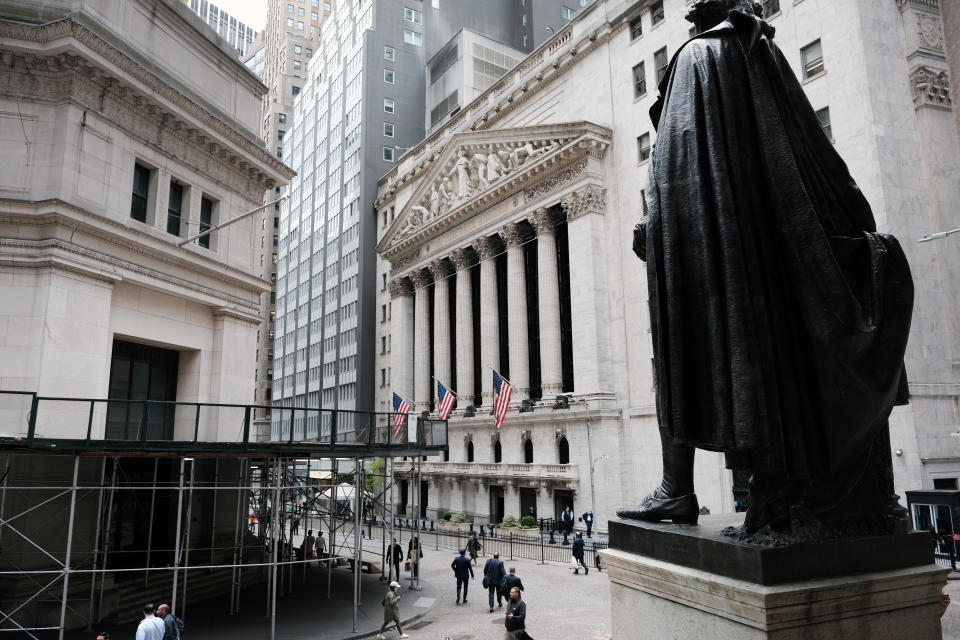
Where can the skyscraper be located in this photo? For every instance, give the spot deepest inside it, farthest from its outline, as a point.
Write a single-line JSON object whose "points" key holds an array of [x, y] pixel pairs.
{"points": [[238, 34], [363, 103]]}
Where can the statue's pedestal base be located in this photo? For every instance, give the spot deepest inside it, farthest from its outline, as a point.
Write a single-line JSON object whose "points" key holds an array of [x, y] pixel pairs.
{"points": [[663, 600]]}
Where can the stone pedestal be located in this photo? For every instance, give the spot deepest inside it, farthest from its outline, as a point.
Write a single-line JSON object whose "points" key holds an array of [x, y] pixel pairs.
{"points": [[890, 597]]}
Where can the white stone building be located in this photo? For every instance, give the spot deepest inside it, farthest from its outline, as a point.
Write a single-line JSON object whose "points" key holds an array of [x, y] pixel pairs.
{"points": [[522, 207], [127, 128]]}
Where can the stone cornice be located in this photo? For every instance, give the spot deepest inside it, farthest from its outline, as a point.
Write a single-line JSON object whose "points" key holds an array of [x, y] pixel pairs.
{"points": [[48, 49], [63, 215]]}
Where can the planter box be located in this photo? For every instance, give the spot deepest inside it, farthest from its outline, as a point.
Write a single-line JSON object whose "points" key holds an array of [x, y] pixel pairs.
{"points": [[521, 534], [454, 527]]}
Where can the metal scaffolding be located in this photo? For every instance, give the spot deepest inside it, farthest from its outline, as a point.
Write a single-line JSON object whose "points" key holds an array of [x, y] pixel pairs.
{"points": [[238, 508]]}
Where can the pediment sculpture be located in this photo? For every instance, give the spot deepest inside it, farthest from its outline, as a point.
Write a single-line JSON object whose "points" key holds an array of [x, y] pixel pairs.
{"points": [[471, 172]]}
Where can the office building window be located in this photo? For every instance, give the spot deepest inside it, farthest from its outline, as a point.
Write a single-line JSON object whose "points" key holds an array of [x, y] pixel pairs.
{"points": [[639, 80], [656, 12], [282, 118], [412, 37], [280, 133], [389, 53], [297, 49], [314, 16], [309, 52], [206, 221], [314, 3], [388, 129], [770, 7], [660, 61], [141, 191], [295, 89], [388, 105], [567, 12], [300, 11], [326, 6], [823, 115], [289, 8], [412, 15], [289, 22], [435, 4], [636, 28], [523, 20], [812, 58], [643, 147], [388, 154], [174, 209], [300, 25], [388, 76], [296, 64]]}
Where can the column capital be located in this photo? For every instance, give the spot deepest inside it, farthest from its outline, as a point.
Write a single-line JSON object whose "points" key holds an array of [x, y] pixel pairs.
{"points": [[589, 199], [512, 234], [440, 269], [420, 278], [400, 287], [542, 221], [486, 247], [463, 258]]}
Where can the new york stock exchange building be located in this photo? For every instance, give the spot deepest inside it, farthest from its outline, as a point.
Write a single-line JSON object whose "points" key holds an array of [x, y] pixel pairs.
{"points": [[505, 245]]}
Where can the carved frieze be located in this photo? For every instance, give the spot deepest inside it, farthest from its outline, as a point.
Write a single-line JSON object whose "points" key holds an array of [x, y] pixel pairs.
{"points": [[556, 181], [930, 88], [590, 199]]}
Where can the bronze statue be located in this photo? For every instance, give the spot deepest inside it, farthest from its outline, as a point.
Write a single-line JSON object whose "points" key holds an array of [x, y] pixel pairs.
{"points": [[779, 315]]}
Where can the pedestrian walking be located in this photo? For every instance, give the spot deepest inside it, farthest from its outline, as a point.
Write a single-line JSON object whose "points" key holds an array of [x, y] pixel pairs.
{"points": [[578, 555], [151, 627], [414, 554], [321, 545], [463, 570], [588, 522], [493, 575], [515, 621], [510, 581], [172, 625], [391, 610], [474, 547], [395, 555], [309, 553]]}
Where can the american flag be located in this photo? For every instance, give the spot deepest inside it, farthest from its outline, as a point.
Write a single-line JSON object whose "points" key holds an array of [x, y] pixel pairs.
{"points": [[446, 399], [400, 410], [501, 399]]}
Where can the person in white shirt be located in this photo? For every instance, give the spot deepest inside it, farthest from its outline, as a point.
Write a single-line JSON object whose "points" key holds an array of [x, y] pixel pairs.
{"points": [[151, 627]]}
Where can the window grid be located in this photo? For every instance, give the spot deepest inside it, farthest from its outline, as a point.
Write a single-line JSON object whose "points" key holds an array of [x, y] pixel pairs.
{"points": [[639, 80], [643, 147], [812, 59]]}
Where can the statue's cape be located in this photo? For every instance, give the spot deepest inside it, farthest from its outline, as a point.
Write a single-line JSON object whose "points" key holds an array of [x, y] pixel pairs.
{"points": [[779, 315]]}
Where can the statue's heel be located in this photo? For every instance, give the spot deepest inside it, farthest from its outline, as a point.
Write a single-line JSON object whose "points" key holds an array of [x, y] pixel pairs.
{"points": [[686, 519]]}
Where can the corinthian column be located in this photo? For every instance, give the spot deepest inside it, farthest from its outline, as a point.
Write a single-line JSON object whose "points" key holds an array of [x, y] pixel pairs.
{"points": [[517, 311], [421, 349], [548, 296], [486, 249], [441, 322], [462, 260], [401, 327]]}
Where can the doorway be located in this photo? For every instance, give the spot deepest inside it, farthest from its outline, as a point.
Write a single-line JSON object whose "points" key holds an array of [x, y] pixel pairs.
{"points": [[562, 498], [496, 505], [141, 372], [528, 502]]}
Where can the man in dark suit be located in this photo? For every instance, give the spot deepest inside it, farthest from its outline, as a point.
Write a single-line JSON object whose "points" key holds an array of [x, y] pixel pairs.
{"points": [[395, 554], [463, 570], [588, 522], [493, 573]]}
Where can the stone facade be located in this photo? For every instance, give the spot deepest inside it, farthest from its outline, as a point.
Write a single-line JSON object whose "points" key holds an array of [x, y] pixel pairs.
{"points": [[563, 139], [87, 99]]}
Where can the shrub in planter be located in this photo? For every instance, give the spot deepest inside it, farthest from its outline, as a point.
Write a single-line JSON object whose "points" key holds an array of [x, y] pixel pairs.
{"points": [[446, 516], [461, 518], [528, 522], [509, 521]]}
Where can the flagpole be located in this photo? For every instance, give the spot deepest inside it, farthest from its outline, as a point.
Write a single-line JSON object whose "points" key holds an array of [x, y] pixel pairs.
{"points": [[451, 389], [510, 383]]}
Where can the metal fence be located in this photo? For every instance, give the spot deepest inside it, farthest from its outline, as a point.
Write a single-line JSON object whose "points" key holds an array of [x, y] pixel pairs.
{"points": [[944, 554]]}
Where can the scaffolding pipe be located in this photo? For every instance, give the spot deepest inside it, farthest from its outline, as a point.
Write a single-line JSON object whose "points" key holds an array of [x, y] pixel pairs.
{"points": [[182, 612], [293, 516], [153, 502], [357, 555], [96, 542], [417, 524], [3, 491], [331, 514], [66, 560], [213, 518], [393, 481], [176, 544], [241, 522], [276, 534], [106, 537], [270, 539]]}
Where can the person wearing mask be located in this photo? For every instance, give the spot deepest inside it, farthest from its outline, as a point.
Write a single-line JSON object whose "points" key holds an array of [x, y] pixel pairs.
{"points": [[391, 610]]}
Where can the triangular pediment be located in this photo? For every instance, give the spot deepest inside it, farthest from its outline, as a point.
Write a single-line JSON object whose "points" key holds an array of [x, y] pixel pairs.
{"points": [[476, 169]]}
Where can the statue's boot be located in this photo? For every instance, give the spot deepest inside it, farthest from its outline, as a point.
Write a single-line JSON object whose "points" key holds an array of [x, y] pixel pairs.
{"points": [[674, 499]]}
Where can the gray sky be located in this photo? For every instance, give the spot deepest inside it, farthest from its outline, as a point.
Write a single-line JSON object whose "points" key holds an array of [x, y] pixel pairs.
{"points": [[250, 12]]}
